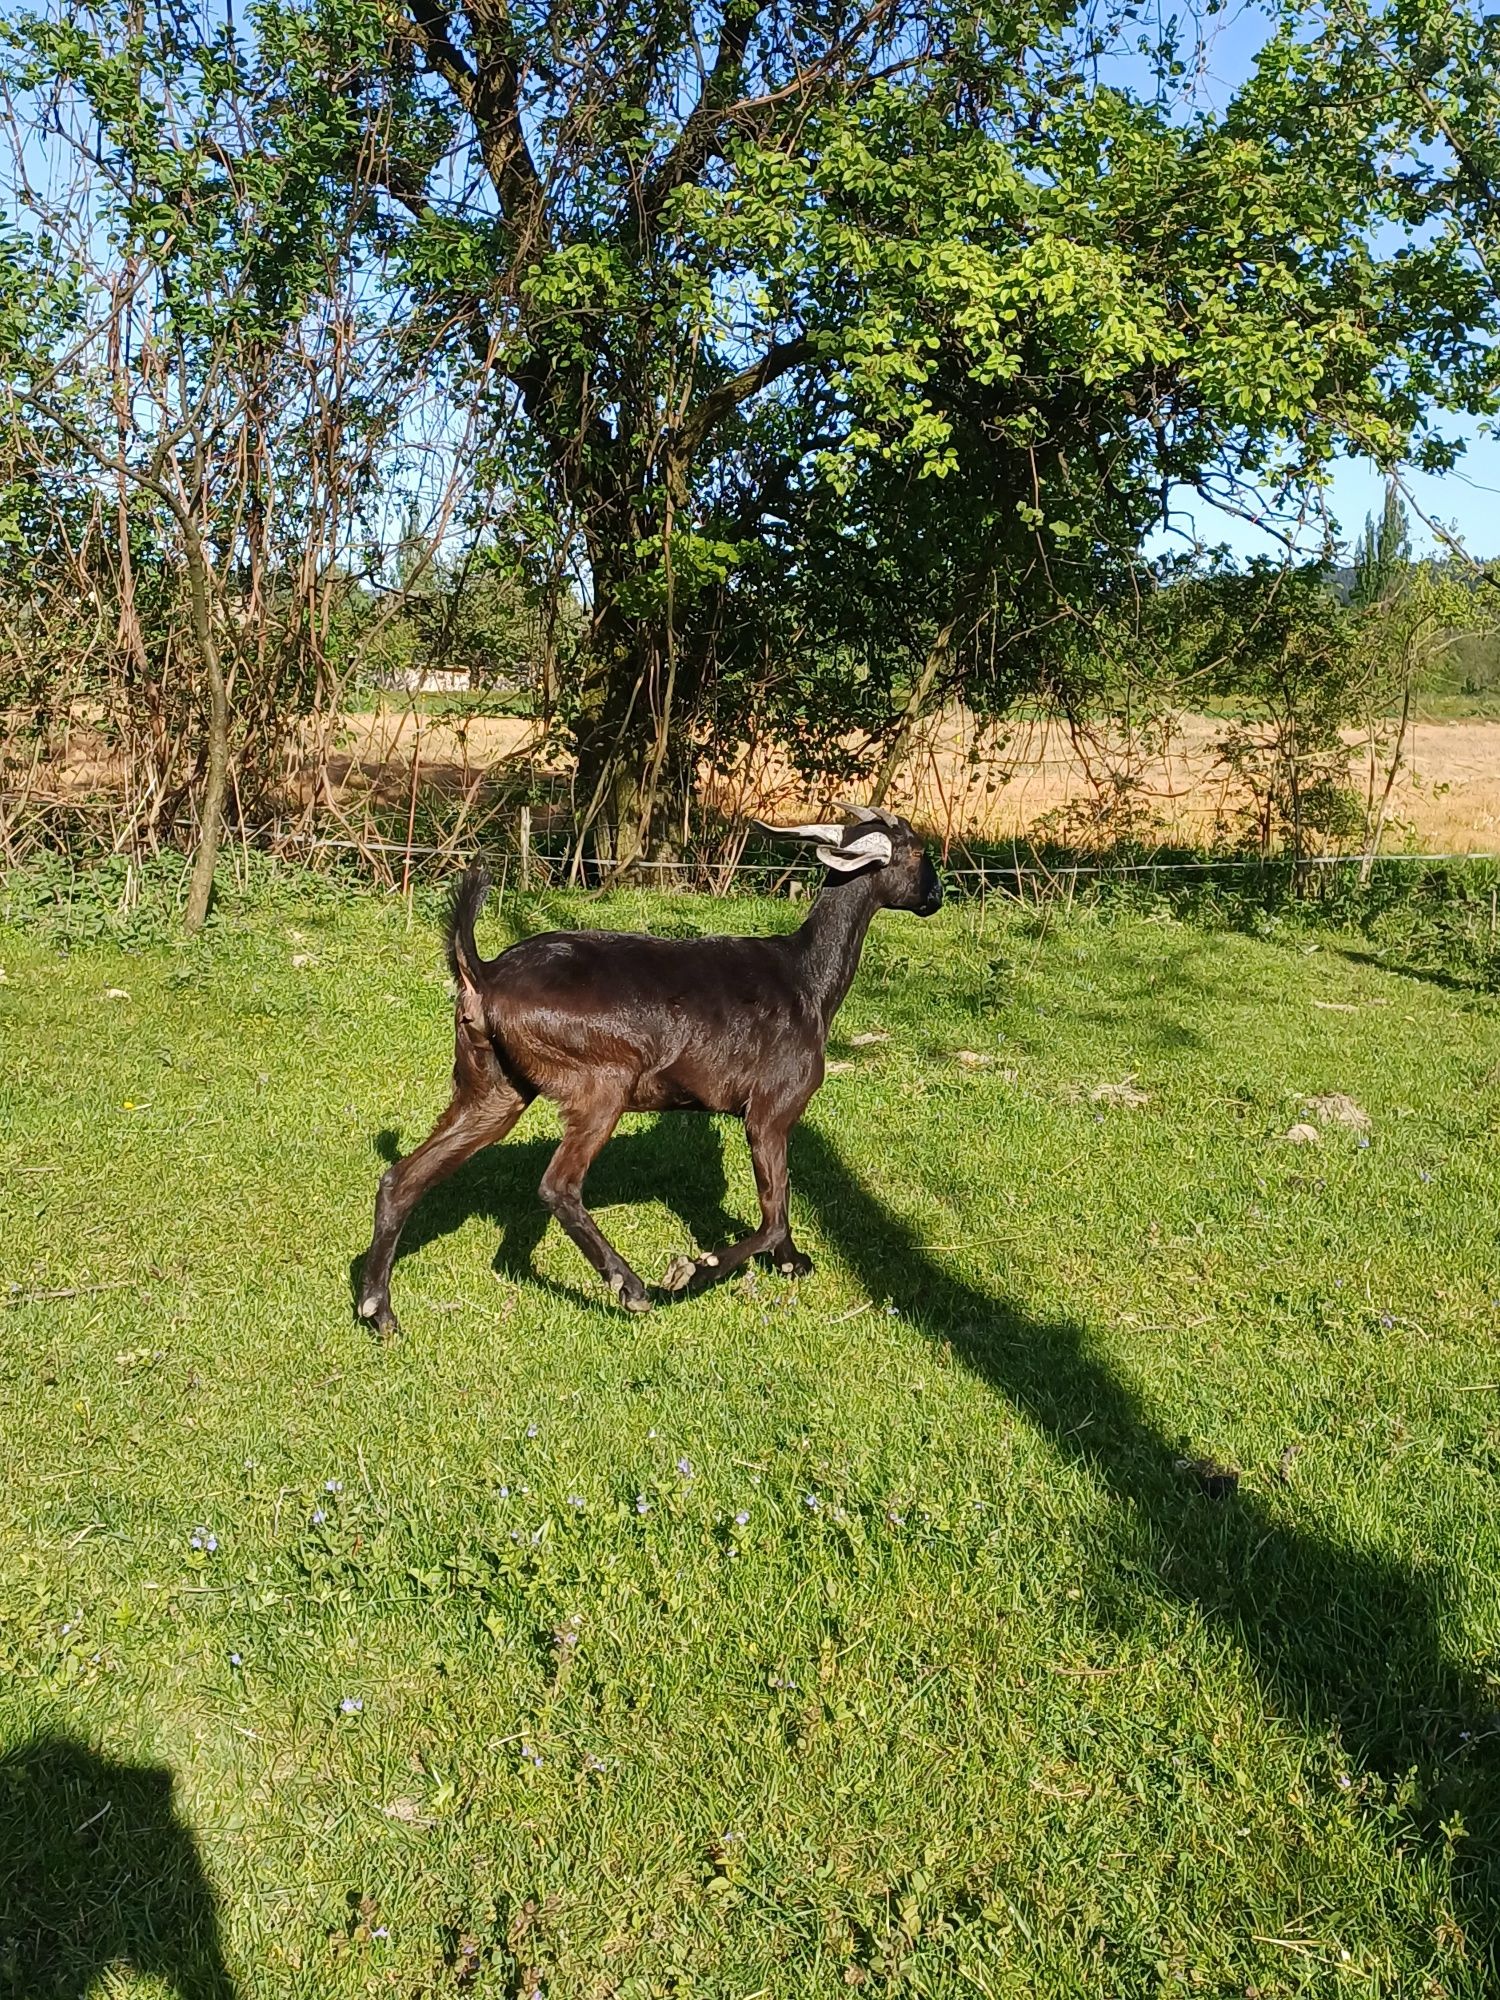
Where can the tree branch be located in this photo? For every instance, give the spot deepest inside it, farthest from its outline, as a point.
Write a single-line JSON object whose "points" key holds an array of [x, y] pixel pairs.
{"points": [[494, 104], [699, 141], [430, 24], [722, 401], [718, 111]]}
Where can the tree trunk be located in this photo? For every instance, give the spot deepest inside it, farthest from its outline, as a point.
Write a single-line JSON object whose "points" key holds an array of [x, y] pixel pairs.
{"points": [[211, 817], [911, 715], [1377, 825], [612, 743], [633, 777]]}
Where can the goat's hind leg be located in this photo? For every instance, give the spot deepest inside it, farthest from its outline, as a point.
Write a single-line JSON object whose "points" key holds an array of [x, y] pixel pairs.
{"points": [[586, 1128], [788, 1259], [484, 1109]]}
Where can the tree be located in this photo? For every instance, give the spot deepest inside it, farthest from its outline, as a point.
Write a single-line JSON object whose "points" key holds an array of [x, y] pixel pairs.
{"points": [[176, 327], [1436, 66], [714, 256], [847, 351], [1383, 552]]}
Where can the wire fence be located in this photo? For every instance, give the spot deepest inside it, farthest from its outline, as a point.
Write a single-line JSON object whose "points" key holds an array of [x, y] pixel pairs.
{"points": [[1023, 873]]}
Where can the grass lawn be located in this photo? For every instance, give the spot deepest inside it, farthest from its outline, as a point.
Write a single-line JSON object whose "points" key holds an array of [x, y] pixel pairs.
{"points": [[875, 1632]]}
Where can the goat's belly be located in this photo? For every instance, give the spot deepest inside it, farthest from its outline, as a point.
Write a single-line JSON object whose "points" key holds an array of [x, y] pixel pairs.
{"points": [[669, 1090]]}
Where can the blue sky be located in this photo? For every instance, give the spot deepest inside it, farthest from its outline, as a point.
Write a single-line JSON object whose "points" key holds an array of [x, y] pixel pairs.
{"points": [[1465, 503]]}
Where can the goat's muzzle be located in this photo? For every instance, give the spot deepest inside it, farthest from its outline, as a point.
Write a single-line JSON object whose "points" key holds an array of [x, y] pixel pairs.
{"points": [[932, 898]]}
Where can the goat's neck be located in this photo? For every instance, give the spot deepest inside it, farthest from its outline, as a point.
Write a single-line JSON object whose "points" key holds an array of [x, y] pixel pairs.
{"points": [[832, 938]]}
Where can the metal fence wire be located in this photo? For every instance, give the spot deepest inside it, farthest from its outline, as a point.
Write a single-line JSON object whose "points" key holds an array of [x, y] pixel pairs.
{"points": [[526, 860]]}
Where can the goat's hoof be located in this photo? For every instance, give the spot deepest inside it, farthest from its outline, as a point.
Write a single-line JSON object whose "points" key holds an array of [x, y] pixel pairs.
{"points": [[378, 1315], [679, 1274], [633, 1296], [796, 1266]]}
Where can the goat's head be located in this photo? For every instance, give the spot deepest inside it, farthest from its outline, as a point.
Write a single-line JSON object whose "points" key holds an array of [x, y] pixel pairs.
{"points": [[880, 845]]}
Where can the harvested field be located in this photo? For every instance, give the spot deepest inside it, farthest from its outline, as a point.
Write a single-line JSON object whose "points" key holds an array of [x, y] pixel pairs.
{"points": [[1029, 779]]}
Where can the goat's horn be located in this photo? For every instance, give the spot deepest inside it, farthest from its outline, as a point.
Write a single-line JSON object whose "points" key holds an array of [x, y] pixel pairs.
{"points": [[816, 833], [866, 814]]}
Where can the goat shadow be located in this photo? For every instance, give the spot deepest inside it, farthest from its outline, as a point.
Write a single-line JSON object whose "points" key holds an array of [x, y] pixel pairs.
{"points": [[1346, 1642], [98, 1870], [677, 1160], [1342, 1639]]}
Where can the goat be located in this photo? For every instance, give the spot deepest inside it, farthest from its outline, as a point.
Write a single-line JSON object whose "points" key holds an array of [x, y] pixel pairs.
{"points": [[604, 1022]]}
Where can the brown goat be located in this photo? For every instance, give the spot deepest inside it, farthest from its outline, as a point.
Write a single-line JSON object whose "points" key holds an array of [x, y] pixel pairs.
{"points": [[604, 1023]]}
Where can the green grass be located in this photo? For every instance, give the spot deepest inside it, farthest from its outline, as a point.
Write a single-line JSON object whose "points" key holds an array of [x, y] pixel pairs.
{"points": [[984, 1696], [1456, 705]]}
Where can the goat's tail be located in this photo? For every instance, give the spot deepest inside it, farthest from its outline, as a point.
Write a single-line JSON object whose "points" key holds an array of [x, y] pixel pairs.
{"points": [[464, 961]]}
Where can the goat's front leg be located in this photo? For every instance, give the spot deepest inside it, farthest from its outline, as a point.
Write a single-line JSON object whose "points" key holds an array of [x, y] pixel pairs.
{"points": [[767, 1133], [586, 1128]]}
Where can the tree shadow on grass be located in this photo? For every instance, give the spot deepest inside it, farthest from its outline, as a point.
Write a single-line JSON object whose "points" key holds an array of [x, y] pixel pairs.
{"points": [[678, 1161], [1430, 975], [1340, 1637], [97, 1871]]}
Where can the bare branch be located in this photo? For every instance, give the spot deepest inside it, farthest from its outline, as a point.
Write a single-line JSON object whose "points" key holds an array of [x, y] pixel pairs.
{"points": [[701, 137]]}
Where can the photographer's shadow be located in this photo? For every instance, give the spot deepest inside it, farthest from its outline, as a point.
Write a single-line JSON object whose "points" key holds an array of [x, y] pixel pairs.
{"points": [[98, 1871]]}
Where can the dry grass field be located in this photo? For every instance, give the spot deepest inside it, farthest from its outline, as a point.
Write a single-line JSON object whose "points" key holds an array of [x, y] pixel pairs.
{"points": [[963, 782], [969, 785]]}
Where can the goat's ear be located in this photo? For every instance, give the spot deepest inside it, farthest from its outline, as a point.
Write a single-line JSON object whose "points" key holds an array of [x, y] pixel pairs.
{"points": [[824, 833], [871, 846]]}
